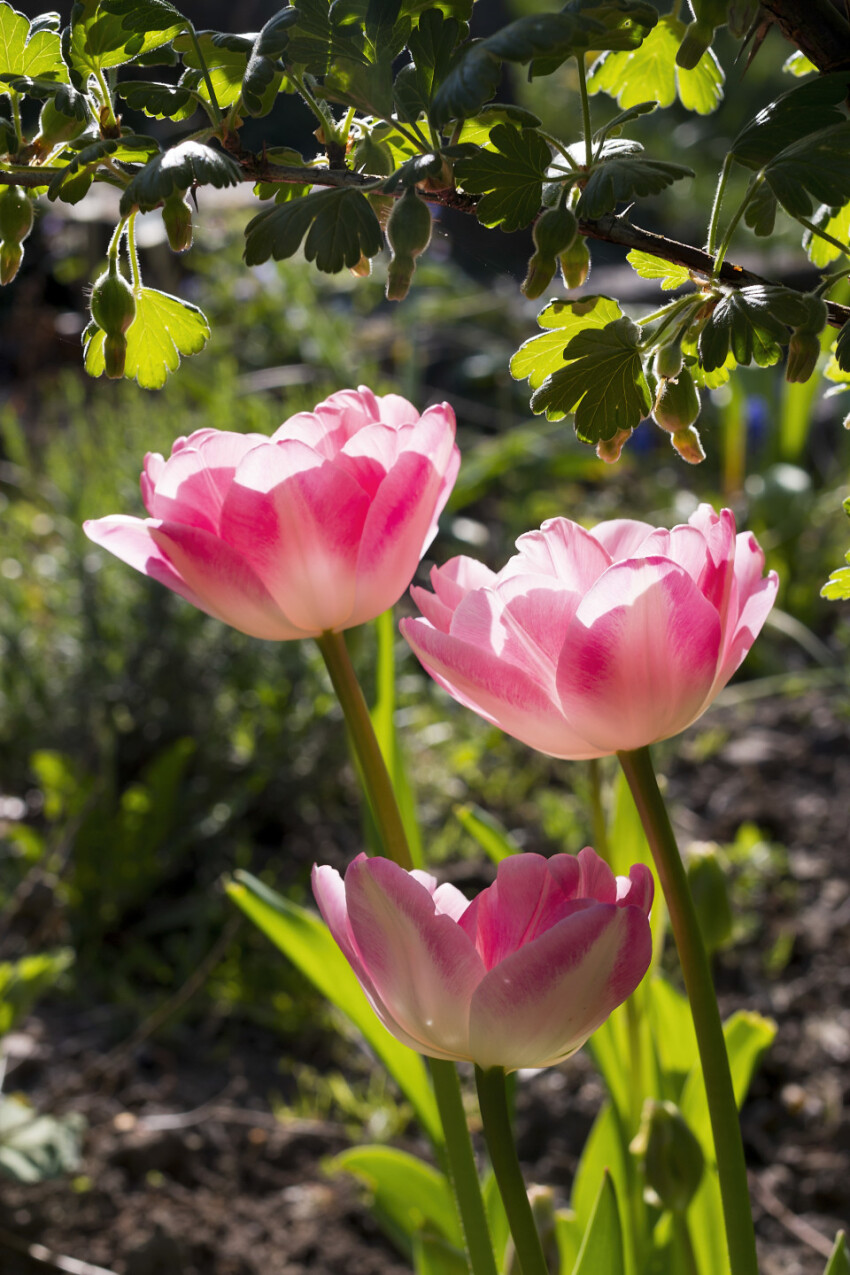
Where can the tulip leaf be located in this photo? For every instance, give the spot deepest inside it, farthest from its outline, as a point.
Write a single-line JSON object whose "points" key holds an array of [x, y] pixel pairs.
{"points": [[308, 943], [650, 72], [25, 981], [668, 273], [602, 382], [509, 177], [839, 1261], [164, 330], [340, 225], [540, 356], [407, 1194], [606, 1150], [628, 845], [747, 1036], [186, 164], [33, 1146], [435, 1256], [602, 1246], [497, 1218], [383, 720], [495, 840], [622, 178], [28, 51]]}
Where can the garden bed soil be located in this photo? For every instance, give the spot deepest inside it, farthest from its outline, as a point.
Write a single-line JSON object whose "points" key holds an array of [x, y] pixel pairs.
{"points": [[186, 1171]]}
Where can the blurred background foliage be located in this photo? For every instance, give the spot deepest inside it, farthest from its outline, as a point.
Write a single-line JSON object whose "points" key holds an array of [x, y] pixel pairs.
{"points": [[145, 749]]}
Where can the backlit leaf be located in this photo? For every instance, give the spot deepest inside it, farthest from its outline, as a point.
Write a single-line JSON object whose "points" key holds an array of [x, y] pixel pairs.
{"points": [[510, 179], [540, 356], [602, 382], [134, 148], [226, 63], [649, 267], [753, 323], [187, 164], [839, 1261], [407, 1194], [99, 39], [814, 169], [803, 110], [602, 1247], [651, 72], [25, 51], [262, 72], [835, 222], [160, 101], [164, 329]]}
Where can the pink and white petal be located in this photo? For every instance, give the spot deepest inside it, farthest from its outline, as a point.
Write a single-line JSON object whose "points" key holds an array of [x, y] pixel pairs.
{"points": [[432, 608], [450, 901], [131, 540], [395, 410], [542, 608], [621, 537], [151, 471], [543, 1001], [423, 967], [562, 549], [481, 620], [297, 520], [637, 889], [192, 485], [230, 590], [596, 880], [369, 454], [524, 901], [683, 545], [397, 526], [503, 695], [329, 893], [738, 641], [640, 656], [460, 576]]}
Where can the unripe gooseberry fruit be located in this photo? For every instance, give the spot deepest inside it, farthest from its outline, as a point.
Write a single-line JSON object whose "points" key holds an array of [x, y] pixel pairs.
{"points": [[575, 263], [609, 449], [114, 355], [695, 41], [16, 215], [11, 256], [688, 444], [553, 233], [54, 127], [113, 306], [409, 233], [668, 361], [803, 354], [677, 405], [177, 219]]}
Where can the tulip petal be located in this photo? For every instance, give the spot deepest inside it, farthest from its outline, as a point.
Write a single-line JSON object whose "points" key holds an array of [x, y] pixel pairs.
{"points": [[296, 519], [220, 576], [131, 540], [563, 549], [499, 692], [596, 880], [637, 889], [191, 486], [757, 603], [422, 966], [460, 576], [640, 656], [538, 610], [540, 1004], [621, 537]]}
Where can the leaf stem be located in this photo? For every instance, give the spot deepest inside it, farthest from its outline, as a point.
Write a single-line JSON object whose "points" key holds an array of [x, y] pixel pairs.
{"points": [[16, 114], [115, 241], [107, 97], [585, 114], [373, 770], [196, 45], [461, 1164], [730, 229], [718, 200], [133, 254], [822, 234], [722, 1108], [560, 147], [493, 1100]]}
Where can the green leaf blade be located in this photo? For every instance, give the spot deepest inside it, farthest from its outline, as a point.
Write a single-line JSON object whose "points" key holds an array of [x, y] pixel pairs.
{"points": [[164, 330]]}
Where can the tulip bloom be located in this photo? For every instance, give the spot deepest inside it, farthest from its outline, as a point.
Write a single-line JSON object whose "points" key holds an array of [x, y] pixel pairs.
{"points": [[316, 529], [519, 977], [594, 642]]}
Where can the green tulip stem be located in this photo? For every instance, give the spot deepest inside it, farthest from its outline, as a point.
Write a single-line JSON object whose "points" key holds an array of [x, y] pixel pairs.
{"points": [[461, 1165], [373, 770], [493, 1101], [722, 1108]]}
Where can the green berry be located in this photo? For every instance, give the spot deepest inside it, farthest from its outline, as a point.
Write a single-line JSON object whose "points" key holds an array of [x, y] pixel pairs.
{"points": [[11, 256], [16, 215], [409, 233], [114, 355], [668, 361], [803, 354], [575, 263], [177, 218], [677, 405], [54, 127], [113, 306], [554, 231], [687, 443], [696, 40]]}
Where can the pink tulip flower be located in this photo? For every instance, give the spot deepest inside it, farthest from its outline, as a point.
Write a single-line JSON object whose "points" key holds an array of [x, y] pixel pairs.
{"points": [[593, 642], [519, 977], [318, 528]]}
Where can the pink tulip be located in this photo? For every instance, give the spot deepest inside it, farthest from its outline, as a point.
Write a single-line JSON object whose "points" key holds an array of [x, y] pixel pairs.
{"points": [[519, 977], [319, 527], [591, 642]]}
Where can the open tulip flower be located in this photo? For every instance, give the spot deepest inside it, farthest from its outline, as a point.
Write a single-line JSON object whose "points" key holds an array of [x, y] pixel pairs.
{"points": [[594, 642], [316, 529], [519, 977]]}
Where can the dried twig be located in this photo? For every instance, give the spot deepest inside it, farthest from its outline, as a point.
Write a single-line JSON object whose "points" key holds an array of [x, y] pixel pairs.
{"points": [[798, 1226], [43, 1256]]}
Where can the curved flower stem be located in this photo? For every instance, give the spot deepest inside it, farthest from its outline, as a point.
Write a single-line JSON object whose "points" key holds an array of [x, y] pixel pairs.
{"points": [[492, 1098], [461, 1165], [376, 779], [722, 1108]]}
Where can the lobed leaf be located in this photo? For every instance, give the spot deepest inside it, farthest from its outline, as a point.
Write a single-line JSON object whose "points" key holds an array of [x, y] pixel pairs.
{"points": [[187, 164], [159, 101], [602, 382], [835, 222], [99, 39], [510, 177], [133, 148], [263, 72], [814, 169], [226, 59], [648, 267], [29, 49], [789, 118], [752, 323], [650, 72], [164, 329], [540, 356], [623, 178], [340, 225]]}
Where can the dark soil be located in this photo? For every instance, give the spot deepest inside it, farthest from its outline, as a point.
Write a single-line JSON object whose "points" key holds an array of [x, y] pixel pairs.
{"points": [[187, 1172]]}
